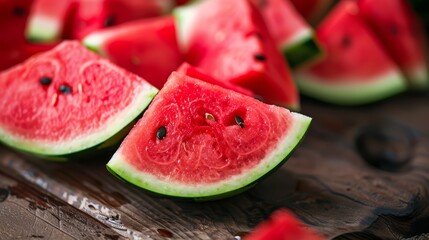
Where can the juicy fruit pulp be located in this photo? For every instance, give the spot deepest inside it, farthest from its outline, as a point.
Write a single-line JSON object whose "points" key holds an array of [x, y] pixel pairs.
{"points": [[191, 71], [67, 100], [283, 225], [229, 41], [293, 36], [199, 140], [399, 29], [146, 47], [356, 69]]}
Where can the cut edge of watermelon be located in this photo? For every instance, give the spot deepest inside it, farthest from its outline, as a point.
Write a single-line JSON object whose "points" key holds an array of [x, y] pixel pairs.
{"points": [[94, 41], [302, 48], [120, 167], [355, 93], [43, 29], [112, 127]]}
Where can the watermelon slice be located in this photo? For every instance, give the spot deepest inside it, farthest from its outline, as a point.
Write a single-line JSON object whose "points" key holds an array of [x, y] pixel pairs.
{"points": [[292, 34], [229, 41], [357, 69], [195, 72], [402, 35], [283, 225], [68, 100], [198, 140], [313, 10], [152, 57], [51, 21]]}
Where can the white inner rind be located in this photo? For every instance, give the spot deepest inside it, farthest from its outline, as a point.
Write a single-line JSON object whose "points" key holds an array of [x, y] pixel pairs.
{"points": [[284, 147], [88, 139], [302, 36], [43, 28], [351, 91]]}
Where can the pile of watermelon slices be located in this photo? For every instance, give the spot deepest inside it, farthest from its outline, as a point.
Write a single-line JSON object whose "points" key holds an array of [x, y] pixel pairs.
{"points": [[192, 97]]}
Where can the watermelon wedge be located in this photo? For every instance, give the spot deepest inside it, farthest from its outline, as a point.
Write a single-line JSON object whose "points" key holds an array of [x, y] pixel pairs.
{"points": [[283, 225], [51, 21], [402, 35], [229, 41], [152, 57], [67, 100], [198, 140], [292, 34], [356, 70]]}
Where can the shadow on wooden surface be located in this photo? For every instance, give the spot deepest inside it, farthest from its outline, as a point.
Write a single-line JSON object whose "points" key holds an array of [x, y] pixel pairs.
{"points": [[326, 183]]}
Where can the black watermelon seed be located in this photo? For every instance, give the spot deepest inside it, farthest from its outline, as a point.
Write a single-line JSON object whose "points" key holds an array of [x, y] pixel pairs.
{"points": [[394, 29], [161, 133], [109, 21], [18, 11], [239, 121], [386, 145], [45, 81], [260, 57], [346, 42], [66, 89]]}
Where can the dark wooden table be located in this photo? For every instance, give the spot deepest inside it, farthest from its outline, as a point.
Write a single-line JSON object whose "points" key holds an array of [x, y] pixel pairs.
{"points": [[326, 183]]}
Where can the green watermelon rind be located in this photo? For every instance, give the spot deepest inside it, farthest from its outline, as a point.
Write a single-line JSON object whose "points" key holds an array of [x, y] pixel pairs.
{"points": [[95, 41], [120, 167], [43, 29], [106, 136], [301, 49], [353, 92]]}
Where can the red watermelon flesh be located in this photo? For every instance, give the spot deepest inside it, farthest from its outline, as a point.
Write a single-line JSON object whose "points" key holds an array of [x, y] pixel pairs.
{"points": [[146, 47], [229, 40], [399, 29], [312, 10], [197, 73], [66, 100], [13, 46], [48, 20], [283, 225], [200, 140], [13, 15], [357, 69]]}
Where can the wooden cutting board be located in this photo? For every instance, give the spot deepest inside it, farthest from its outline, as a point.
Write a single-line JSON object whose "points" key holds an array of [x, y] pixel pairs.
{"points": [[326, 183]]}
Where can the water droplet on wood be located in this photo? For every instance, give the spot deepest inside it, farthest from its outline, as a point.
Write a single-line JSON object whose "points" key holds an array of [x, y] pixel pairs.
{"points": [[386, 145]]}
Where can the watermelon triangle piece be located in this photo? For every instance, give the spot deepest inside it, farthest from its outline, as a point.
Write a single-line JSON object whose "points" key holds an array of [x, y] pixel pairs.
{"points": [[283, 225], [292, 34], [357, 69], [199, 140], [229, 41], [402, 34], [146, 47], [67, 101]]}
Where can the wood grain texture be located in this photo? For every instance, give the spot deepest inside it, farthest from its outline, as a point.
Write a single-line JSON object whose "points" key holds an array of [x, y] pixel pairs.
{"points": [[326, 183]]}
